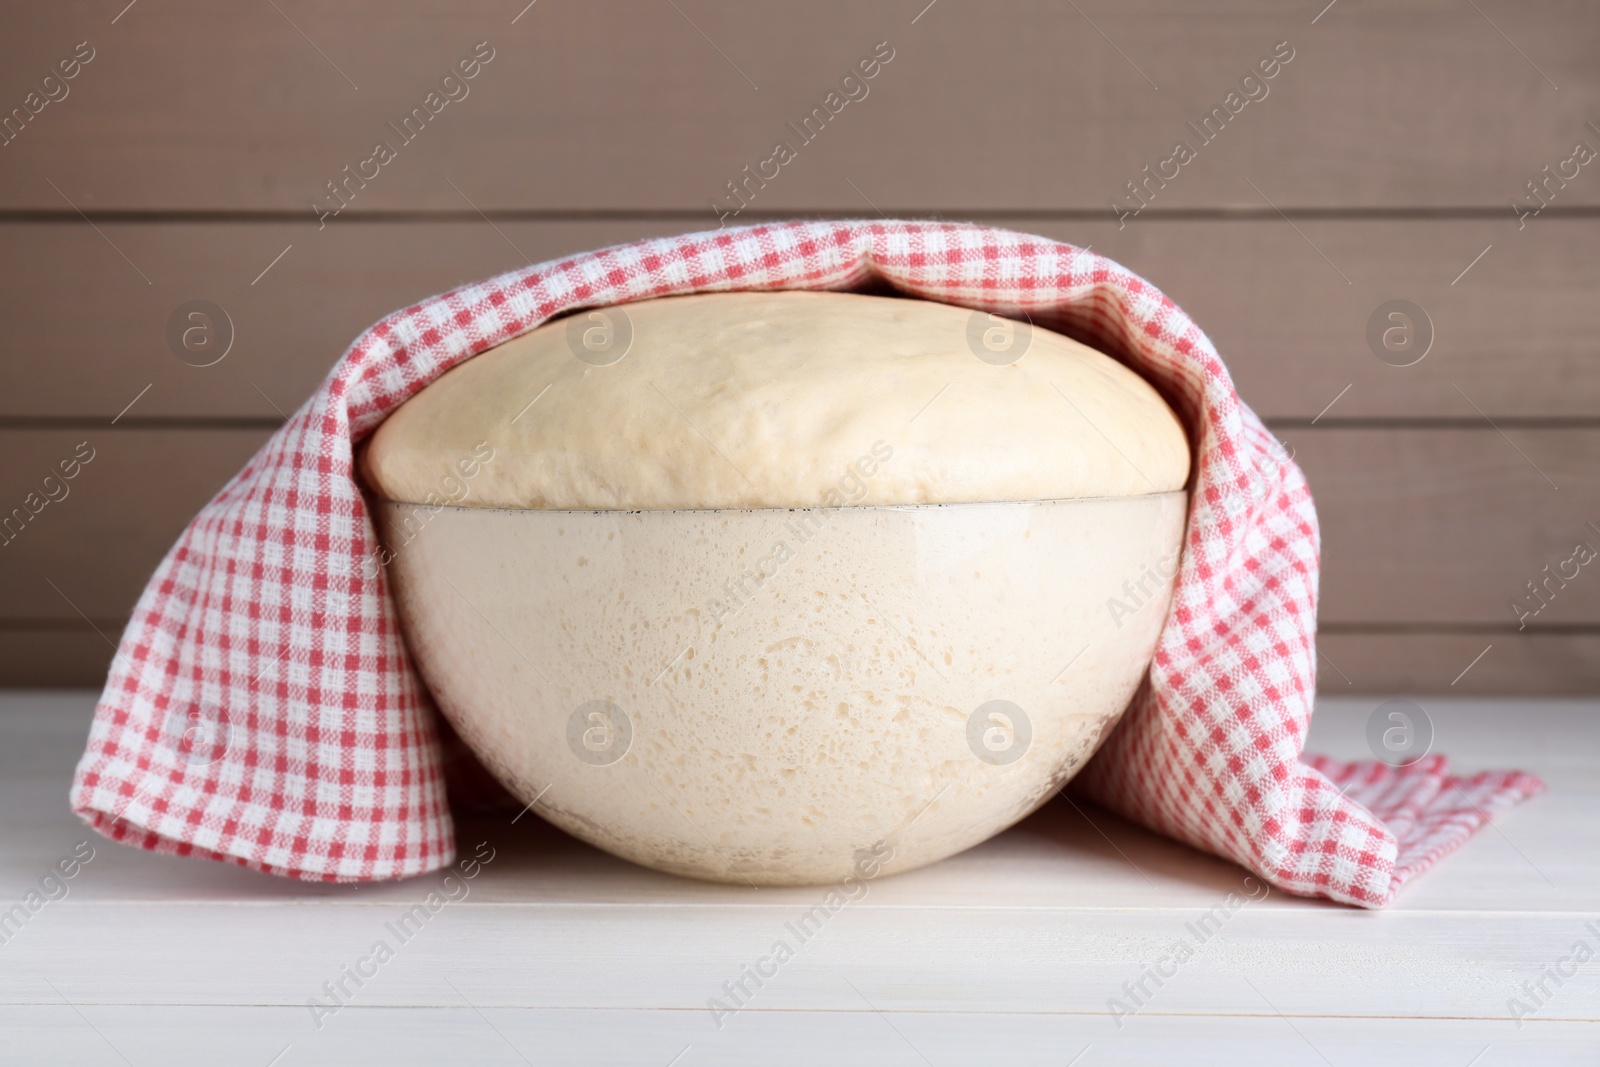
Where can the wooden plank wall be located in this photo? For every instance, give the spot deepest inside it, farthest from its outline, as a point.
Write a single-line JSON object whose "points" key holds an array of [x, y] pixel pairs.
{"points": [[1383, 162]]}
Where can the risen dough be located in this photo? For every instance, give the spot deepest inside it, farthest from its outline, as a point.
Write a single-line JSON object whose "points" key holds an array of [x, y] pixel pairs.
{"points": [[778, 399]]}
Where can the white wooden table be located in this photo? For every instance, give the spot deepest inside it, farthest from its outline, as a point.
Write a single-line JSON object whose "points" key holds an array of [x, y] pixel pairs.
{"points": [[1007, 954]]}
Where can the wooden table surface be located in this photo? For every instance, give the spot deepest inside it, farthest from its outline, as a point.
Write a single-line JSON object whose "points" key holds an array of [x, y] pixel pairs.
{"points": [[1009, 953]]}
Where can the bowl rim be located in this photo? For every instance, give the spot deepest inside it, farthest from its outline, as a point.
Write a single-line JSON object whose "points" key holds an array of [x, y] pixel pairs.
{"points": [[784, 510]]}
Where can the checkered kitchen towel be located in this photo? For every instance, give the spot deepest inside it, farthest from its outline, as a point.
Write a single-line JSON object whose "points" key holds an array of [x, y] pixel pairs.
{"points": [[203, 745]]}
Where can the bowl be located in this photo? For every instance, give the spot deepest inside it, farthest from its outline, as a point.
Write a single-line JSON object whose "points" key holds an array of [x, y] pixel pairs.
{"points": [[785, 696]]}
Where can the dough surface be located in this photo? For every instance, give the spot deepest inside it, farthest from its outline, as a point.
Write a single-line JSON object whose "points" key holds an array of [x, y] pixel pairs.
{"points": [[777, 399]]}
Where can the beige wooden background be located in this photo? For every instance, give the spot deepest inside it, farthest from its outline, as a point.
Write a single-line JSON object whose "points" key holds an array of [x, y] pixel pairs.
{"points": [[1381, 165]]}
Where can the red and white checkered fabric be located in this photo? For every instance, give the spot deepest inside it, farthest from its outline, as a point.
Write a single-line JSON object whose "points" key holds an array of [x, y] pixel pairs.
{"points": [[262, 708]]}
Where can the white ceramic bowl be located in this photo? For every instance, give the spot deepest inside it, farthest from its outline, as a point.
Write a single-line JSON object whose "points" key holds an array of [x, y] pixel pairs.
{"points": [[786, 696]]}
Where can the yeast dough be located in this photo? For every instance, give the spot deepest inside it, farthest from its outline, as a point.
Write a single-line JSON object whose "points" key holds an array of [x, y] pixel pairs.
{"points": [[778, 400]]}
